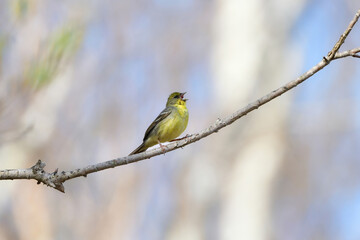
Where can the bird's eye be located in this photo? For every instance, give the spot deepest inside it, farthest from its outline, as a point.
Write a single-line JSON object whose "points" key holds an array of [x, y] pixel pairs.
{"points": [[176, 96]]}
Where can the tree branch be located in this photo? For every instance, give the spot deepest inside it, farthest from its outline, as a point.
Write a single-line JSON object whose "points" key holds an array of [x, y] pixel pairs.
{"points": [[56, 179], [340, 42], [350, 53]]}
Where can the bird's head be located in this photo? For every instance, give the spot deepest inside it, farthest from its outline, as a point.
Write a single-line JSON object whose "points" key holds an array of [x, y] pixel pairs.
{"points": [[176, 98]]}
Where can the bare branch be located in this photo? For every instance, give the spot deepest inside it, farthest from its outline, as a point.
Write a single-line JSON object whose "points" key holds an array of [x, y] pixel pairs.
{"points": [[56, 179], [351, 53], [340, 42]]}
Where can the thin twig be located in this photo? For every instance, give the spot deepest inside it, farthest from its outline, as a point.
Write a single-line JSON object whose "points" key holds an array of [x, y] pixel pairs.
{"points": [[340, 42], [56, 179], [350, 53]]}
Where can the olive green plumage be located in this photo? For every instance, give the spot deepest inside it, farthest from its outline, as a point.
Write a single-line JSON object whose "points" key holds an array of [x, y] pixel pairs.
{"points": [[170, 123]]}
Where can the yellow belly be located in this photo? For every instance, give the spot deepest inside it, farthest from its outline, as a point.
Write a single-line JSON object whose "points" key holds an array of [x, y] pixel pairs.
{"points": [[172, 127], [169, 128]]}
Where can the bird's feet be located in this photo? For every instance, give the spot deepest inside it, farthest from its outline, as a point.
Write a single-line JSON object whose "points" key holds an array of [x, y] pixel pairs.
{"points": [[163, 148]]}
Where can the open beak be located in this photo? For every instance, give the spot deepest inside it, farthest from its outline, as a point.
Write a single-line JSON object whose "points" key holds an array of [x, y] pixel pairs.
{"points": [[182, 97]]}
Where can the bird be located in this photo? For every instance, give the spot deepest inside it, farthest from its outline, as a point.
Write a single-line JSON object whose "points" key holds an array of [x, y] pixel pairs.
{"points": [[170, 123]]}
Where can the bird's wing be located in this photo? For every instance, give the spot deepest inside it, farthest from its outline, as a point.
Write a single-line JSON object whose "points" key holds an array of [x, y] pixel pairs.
{"points": [[166, 112]]}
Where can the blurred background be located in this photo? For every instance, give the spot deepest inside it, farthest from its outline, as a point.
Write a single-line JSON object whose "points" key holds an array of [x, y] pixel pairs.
{"points": [[80, 81]]}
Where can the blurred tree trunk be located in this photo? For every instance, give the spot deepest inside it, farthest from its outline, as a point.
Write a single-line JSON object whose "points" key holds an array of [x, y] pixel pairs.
{"points": [[248, 62]]}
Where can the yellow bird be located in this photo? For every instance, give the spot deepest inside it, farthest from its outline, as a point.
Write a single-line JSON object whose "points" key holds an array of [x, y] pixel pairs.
{"points": [[170, 123]]}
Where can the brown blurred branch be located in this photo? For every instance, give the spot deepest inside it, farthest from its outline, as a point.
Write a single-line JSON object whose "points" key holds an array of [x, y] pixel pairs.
{"points": [[56, 179]]}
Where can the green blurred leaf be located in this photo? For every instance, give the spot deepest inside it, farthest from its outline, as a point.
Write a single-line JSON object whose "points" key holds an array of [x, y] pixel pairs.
{"points": [[3, 41], [20, 8], [61, 46]]}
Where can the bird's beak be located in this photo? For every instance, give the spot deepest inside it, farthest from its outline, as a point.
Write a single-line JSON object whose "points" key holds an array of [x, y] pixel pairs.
{"points": [[182, 97]]}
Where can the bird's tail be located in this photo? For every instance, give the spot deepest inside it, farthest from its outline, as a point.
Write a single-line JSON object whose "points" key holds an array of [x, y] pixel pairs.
{"points": [[139, 149]]}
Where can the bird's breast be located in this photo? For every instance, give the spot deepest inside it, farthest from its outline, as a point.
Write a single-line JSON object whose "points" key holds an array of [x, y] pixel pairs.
{"points": [[174, 125]]}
